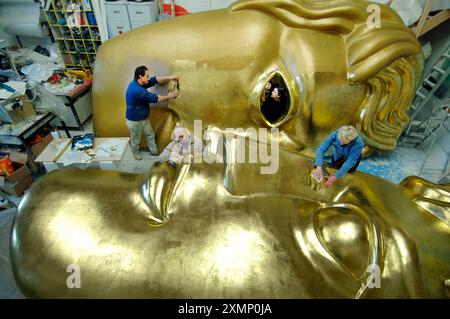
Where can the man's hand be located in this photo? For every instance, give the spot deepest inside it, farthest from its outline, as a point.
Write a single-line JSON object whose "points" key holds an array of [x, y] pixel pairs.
{"points": [[174, 77], [172, 95], [330, 181], [318, 174]]}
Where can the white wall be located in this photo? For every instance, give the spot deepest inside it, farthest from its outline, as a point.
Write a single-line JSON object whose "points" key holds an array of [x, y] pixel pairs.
{"points": [[22, 18], [194, 6]]}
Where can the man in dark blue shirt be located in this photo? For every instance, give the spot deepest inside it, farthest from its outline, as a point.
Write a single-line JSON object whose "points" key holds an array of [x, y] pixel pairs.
{"points": [[348, 146], [138, 101]]}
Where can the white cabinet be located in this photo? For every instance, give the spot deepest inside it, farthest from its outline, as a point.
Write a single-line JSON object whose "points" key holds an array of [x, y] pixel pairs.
{"points": [[142, 11], [137, 24], [117, 17], [123, 16], [116, 11], [118, 27]]}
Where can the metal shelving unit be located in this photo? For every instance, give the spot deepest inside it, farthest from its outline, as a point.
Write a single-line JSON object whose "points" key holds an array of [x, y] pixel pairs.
{"points": [[420, 129]]}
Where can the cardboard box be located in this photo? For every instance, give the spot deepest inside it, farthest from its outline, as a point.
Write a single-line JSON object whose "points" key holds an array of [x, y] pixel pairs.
{"points": [[19, 180], [23, 158], [20, 172], [18, 157], [38, 148], [22, 112], [18, 188]]}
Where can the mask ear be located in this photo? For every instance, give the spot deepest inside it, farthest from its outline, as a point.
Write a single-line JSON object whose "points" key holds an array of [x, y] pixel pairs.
{"points": [[383, 113]]}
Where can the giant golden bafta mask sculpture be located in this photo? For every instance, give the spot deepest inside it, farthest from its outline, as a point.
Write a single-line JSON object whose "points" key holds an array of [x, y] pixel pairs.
{"points": [[224, 230]]}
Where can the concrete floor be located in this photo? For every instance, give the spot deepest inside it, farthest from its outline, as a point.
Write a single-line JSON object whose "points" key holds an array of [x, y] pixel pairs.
{"points": [[393, 166], [8, 289], [396, 165]]}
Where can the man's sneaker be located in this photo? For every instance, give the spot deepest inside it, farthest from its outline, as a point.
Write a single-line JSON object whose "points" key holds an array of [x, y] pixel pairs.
{"points": [[137, 156], [154, 153]]}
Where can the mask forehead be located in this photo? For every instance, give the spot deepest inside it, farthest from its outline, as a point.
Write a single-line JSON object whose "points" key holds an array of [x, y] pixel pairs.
{"points": [[311, 51], [325, 98]]}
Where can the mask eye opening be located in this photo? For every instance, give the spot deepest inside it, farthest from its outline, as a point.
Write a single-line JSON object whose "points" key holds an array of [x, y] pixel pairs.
{"points": [[275, 100]]}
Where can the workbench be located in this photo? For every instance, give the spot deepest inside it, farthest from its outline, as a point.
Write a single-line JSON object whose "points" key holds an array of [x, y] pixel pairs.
{"points": [[17, 134], [79, 105]]}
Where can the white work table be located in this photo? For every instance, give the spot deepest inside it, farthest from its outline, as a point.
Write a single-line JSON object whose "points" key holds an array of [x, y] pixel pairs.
{"points": [[17, 134], [104, 153]]}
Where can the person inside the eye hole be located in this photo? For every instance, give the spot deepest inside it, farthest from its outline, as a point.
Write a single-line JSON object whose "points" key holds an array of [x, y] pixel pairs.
{"points": [[273, 102]]}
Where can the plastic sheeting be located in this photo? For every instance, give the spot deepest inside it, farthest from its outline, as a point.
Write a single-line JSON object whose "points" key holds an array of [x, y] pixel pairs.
{"points": [[45, 101]]}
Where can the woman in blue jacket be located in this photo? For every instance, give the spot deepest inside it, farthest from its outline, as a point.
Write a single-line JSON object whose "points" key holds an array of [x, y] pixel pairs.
{"points": [[348, 146]]}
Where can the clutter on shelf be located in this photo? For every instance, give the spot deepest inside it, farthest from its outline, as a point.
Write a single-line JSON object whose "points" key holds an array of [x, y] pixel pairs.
{"points": [[41, 78], [42, 65]]}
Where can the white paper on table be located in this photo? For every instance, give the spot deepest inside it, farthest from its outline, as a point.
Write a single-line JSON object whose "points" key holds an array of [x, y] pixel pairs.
{"points": [[102, 153], [75, 157], [107, 148]]}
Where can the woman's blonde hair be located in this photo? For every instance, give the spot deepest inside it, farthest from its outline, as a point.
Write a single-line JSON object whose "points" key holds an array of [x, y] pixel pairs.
{"points": [[347, 133]]}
